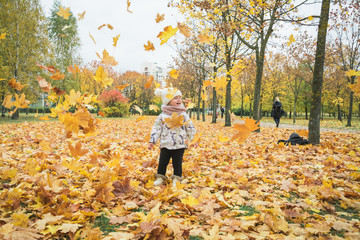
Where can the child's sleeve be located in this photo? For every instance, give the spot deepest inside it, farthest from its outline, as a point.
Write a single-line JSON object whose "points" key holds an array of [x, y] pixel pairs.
{"points": [[156, 130], [189, 127]]}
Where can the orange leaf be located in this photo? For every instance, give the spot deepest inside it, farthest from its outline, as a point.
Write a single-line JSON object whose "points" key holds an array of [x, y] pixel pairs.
{"points": [[77, 151], [2, 36], [207, 83], [203, 38], [128, 3], [58, 91], [174, 73], [149, 82], [57, 76], [48, 68], [16, 85], [115, 40], [81, 15], [7, 102], [245, 129], [121, 87], [74, 70], [149, 46], [101, 114], [107, 59], [184, 30], [45, 118], [159, 17]]}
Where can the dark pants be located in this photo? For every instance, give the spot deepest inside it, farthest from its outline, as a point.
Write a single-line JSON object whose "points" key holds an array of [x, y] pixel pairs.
{"points": [[277, 121], [176, 155]]}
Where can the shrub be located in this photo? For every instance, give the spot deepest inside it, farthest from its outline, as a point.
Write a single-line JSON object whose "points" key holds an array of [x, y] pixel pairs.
{"points": [[110, 98], [117, 110]]}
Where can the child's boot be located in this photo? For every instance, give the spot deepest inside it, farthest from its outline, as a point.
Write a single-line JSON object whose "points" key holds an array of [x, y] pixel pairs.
{"points": [[159, 179], [176, 179]]}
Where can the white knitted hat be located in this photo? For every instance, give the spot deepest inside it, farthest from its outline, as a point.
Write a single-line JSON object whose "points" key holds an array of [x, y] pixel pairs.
{"points": [[167, 94]]}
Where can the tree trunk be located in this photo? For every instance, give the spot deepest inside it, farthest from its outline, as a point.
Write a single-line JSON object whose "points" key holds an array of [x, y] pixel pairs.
{"points": [[257, 88], [203, 110], [198, 105], [351, 102], [214, 105], [294, 117], [317, 83], [339, 113], [306, 112], [227, 102]]}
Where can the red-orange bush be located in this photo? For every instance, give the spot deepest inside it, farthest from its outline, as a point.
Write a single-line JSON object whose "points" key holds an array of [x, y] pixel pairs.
{"points": [[110, 98]]}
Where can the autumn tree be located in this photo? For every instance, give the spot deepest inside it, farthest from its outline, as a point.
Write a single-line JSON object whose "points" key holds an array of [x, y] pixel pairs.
{"points": [[63, 32], [25, 44], [346, 25]]}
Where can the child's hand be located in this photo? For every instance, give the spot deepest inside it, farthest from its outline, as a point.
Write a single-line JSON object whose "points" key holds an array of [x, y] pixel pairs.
{"points": [[151, 145]]}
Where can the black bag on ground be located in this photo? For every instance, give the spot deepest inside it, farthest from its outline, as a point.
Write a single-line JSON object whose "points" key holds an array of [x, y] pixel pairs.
{"points": [[294, 139]]}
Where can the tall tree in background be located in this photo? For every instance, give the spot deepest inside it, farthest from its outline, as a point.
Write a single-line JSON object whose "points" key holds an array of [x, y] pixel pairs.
{"points": [[347, 41], [317, 83], [26, 43], [64, 35]]}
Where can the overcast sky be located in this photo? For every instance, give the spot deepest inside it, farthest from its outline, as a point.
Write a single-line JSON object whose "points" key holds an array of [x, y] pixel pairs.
{"points": [[135, 29]]}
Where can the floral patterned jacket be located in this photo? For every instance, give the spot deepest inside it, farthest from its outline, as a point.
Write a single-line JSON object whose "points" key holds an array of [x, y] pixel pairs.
{"points": [[172, 138]]}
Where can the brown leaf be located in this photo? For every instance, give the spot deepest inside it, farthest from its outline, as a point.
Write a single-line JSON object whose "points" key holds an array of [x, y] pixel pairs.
{"points": [[121, 187]]}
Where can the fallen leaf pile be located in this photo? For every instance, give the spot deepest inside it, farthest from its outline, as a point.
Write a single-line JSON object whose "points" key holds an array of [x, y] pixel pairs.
{"points": [[100, 186]]}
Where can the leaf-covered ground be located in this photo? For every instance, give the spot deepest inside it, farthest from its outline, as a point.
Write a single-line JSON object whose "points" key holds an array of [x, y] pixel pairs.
{"points": [[101, 186]]}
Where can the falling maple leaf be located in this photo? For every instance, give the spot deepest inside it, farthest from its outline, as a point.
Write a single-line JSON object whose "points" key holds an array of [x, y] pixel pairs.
{"points": [[149, 46], [107, 59], [137, 108], [58, 91], [74, 97], [174, 73], [174, 121], [77, 151], [245, 129], [121, 87], [81, 15], [291, 39], [184, 30], [92, 38], [102, 77], [44, 85], [57, 76], [49, 68], [115, 40], [7, 102], [128, 3], [207, 83], [165, 35], [159, 17], [21, 102], [220, 83], [149, 82], [16, 85], [101, 26], [203, 38], [110, 26], [45, 118], [74, 70], [64, 12], [101, 114], [154, 108], [352, 72]]}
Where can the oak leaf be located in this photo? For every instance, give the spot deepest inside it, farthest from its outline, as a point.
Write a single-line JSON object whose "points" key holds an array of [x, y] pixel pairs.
{"points": [[184, 30], [174, 121], [81, 15], [159, 17], [165, 35], [149, 46]]}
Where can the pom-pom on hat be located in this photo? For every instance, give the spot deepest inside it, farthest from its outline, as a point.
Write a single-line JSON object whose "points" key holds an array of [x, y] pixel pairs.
{"points": [[167, 94]]}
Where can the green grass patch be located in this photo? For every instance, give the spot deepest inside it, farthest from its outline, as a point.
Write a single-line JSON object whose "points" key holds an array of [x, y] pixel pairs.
{"points": [[103, 222], [246, 210]]}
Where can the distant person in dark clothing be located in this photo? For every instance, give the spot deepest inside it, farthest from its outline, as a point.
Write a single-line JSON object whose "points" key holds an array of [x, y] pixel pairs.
{"points": [[277, 111], [222, 111]]}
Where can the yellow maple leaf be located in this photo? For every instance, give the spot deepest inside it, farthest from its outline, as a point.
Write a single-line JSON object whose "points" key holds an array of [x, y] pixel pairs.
{"points": [[310, 18], [355, 87], [74, 70], [74, 97], [7, 102], [2, 36], [20, 219], [159, 17], [103, 77], [190, 201], [352, 72], [81, 15], [115, 40], [107, 59], [137, 108], [184, 30], [45, 118], [174, 121], [291, 39], [203, 38], [220, 83], [45, 145], [21, 102], [207, 83], [165, 35], [174, 73], [44, 85], [64, 12], [149, 46], [16, 85], [154, 108]]}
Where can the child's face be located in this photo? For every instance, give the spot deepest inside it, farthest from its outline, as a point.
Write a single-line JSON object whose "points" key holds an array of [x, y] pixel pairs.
{"points": [[176, 101]]}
